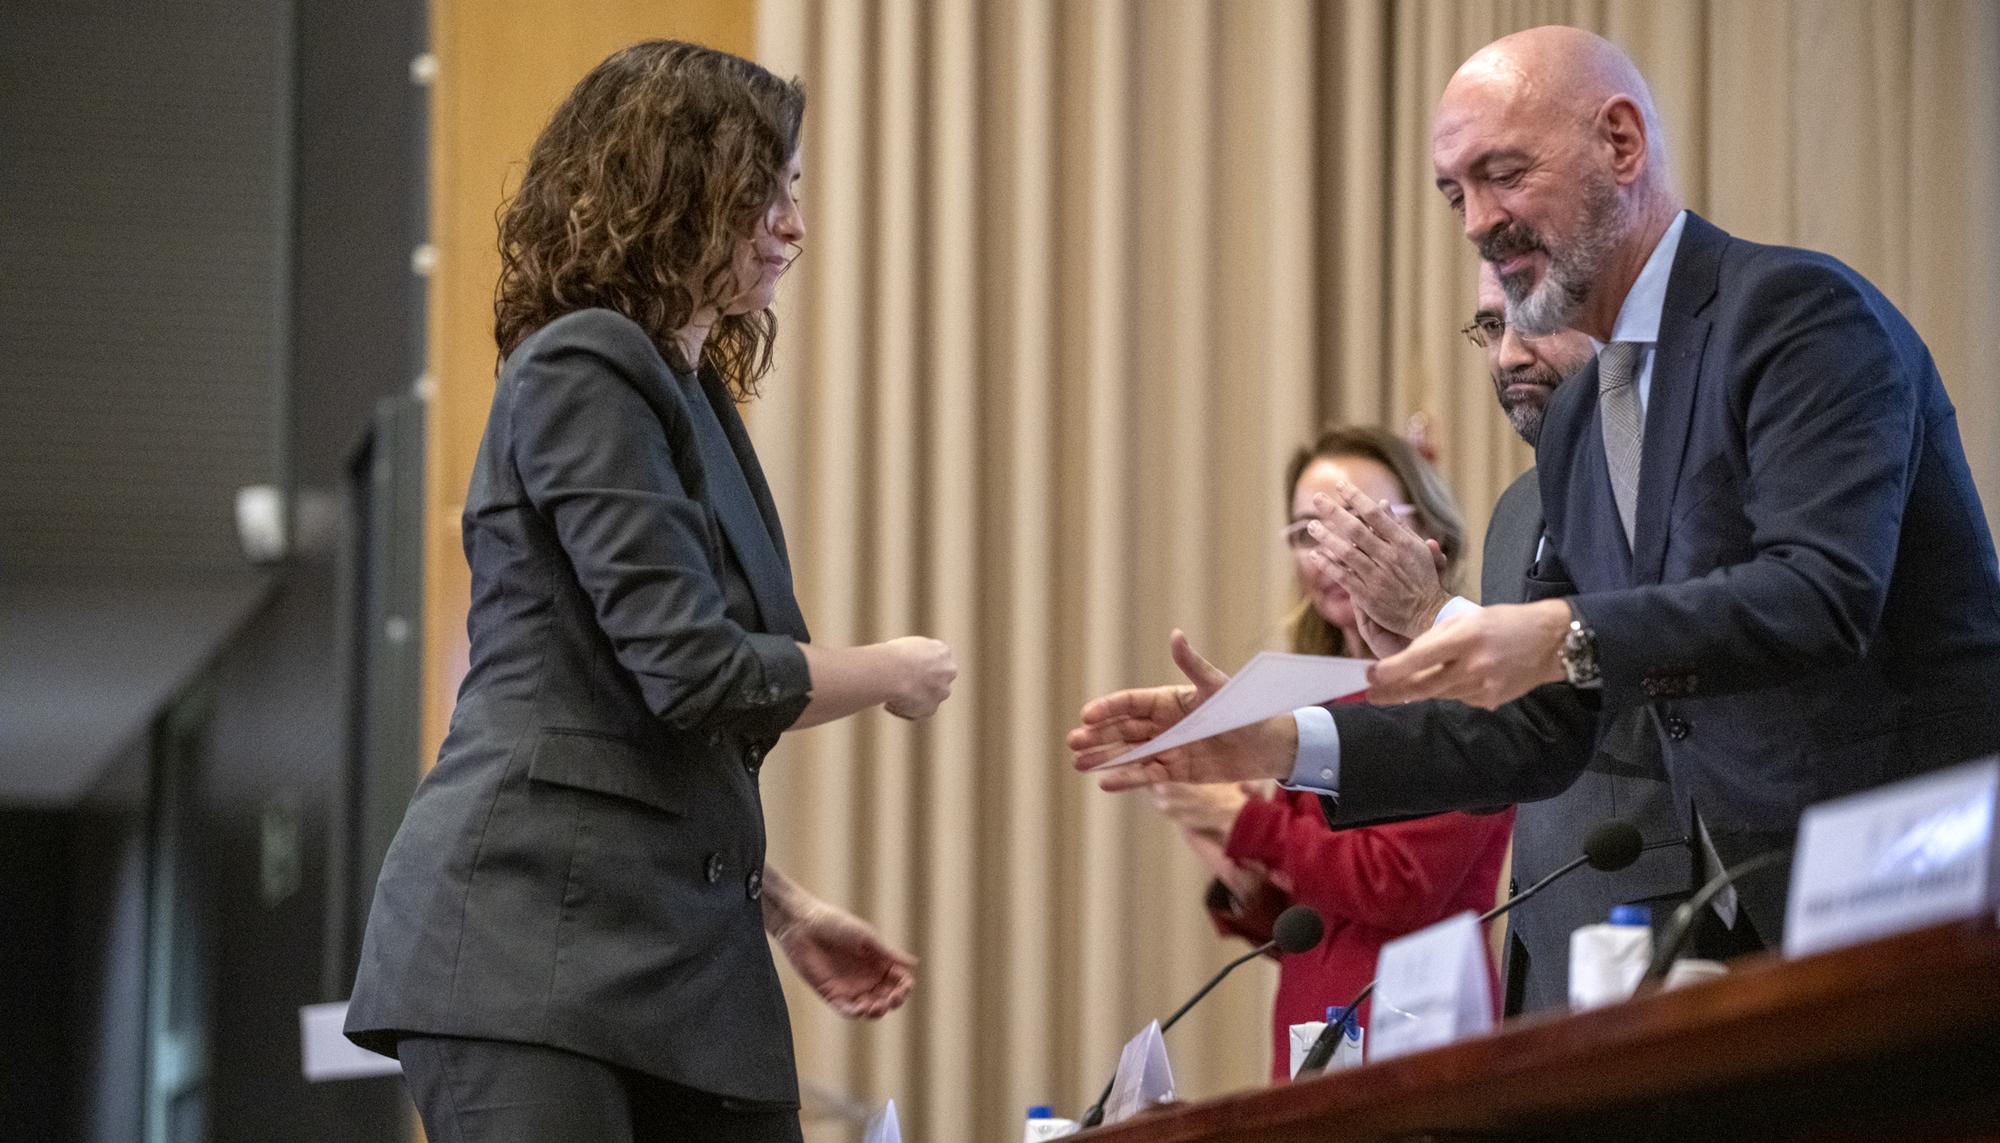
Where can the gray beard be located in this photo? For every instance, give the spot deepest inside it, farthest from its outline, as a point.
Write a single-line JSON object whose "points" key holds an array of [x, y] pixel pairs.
{"points": [[1555, 302], [1551, 306], [1527, 422]]}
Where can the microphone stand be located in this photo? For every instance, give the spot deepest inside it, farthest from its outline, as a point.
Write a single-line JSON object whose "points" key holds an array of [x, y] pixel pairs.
{"points": [[1676, 933], [1094, 1115]]}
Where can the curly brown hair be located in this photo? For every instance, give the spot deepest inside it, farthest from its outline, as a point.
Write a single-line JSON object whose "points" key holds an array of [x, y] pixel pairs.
{"points": [[636, 195]]}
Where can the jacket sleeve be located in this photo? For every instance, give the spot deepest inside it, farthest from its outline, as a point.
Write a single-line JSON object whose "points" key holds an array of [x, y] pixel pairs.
{"points": [[1396, 877], [594, 459], [1429, 757]]}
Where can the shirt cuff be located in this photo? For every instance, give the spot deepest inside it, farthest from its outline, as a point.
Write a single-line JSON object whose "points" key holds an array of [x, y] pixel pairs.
{"points": [[1458, 606], [1317, 768]]}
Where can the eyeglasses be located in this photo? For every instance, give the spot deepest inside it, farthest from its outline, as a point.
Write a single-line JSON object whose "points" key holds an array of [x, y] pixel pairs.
{"points": [[1298, 539], [1484, 330]]}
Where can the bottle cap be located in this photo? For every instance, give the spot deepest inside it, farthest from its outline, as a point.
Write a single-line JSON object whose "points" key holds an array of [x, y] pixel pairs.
{"points": [[1334, 1012], [1631, 915], [1041, 1111]]}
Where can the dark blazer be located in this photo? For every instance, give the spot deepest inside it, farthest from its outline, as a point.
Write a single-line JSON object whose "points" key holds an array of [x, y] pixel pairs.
{"points": [[1813, 606], [582, 867], [1624, 780]]}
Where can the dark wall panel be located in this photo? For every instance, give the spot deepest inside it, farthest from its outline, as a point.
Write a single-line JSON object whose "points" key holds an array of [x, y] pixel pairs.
{"points": [[144, 221], [207, 214], [34, 898]]}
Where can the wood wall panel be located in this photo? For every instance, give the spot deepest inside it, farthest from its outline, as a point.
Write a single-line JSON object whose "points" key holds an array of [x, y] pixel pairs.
{"points": [[503, 65]]}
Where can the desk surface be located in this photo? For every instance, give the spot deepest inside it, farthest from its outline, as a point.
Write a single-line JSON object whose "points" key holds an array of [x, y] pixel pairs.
{"points": [[1896, 1039]]}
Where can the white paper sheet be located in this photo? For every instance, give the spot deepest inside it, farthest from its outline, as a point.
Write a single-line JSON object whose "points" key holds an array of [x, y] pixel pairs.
{"points": [[1275, 682]]}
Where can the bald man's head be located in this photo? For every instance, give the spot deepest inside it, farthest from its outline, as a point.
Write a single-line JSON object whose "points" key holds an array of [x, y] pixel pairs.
{"points": [[1548, 144]]}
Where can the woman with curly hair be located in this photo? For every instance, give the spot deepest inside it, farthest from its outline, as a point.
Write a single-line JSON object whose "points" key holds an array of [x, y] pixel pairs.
{"points": [[568, 936]]}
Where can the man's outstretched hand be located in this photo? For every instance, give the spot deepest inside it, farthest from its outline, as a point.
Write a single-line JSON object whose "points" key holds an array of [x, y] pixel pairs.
{"points": [[1117, 722]]}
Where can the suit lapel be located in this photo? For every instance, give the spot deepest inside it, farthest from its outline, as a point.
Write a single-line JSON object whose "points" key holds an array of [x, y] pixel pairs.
{"points": [[742, 502], [1677, 360], [738, 435], [1516, 533]]}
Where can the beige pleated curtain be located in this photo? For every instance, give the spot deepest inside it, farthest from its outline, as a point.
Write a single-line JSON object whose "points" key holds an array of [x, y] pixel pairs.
{"points": [[1080, 276]]}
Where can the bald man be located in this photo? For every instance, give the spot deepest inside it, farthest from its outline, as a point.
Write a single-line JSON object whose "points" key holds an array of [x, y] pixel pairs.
{"points": [[1760, 522]]}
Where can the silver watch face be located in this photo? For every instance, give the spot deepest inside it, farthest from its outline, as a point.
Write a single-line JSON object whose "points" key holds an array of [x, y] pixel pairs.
{"points": [[1579, 655]]}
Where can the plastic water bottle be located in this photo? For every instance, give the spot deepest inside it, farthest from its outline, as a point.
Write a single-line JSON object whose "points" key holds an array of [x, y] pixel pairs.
{"points": [[1347, 1053], [1043, 1124], [1607, 961]]}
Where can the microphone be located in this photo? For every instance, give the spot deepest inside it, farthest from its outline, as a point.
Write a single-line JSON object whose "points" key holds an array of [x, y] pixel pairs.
{"points": [[1296, 930], [1675, 934], [1610, 845]]}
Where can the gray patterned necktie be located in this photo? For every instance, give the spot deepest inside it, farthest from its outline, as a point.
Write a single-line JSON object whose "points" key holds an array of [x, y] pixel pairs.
{"points": [[1618, 412]]}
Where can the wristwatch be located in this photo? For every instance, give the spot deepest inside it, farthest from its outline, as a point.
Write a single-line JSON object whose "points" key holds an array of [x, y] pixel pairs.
{"points": [[1579, 654]]}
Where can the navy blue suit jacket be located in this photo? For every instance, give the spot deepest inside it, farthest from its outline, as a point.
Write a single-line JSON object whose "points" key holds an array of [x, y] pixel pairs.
{"points": [[1813, 605]]}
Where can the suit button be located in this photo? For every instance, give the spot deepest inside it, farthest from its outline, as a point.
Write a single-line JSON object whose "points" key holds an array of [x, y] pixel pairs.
{"points": [[1677, 728], [713, 870], [753, 758], [753, 885]]}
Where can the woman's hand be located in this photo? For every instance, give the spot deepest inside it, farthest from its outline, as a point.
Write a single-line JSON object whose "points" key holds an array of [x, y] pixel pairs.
{"points": [[924, 670], [908, 677], [1204, 811], [841, 956], [1394, 576]]}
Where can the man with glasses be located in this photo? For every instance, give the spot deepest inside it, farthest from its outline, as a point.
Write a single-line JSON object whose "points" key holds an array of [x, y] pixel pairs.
{"points": [[1625, 779]]}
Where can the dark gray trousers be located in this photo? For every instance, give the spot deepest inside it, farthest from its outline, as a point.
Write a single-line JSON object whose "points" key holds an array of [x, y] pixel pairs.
{"points": [[491, 1091]]}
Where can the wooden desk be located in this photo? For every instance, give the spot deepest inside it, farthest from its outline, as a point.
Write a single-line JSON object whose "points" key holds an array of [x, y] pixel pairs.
{"points": [[1894, 1040]]}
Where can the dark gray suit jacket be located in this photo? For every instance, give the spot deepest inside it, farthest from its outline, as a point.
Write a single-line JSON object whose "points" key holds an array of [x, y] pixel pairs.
{"points": [[583, 866], [1625, 780], [1813, 606]]}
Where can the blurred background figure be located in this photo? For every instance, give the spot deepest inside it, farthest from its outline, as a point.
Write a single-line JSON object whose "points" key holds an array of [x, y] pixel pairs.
{"points": [[1269, 848]]}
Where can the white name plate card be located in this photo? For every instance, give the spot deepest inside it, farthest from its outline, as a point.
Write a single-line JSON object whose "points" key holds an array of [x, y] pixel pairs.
{"points": [[1431, 989], [1144, 1080], [884, 1126], [1894, 859], [326, 1054]]}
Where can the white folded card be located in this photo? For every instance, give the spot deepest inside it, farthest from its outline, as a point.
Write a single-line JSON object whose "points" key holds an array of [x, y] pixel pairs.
{"points": [[1896, 858], [326, 1054], [1144, 1080], [1431, 989], [883, 1126], [1272, 683]]}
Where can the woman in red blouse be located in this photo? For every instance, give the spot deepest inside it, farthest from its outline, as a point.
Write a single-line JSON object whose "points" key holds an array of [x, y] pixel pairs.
{"points": [[1271, 848]]}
